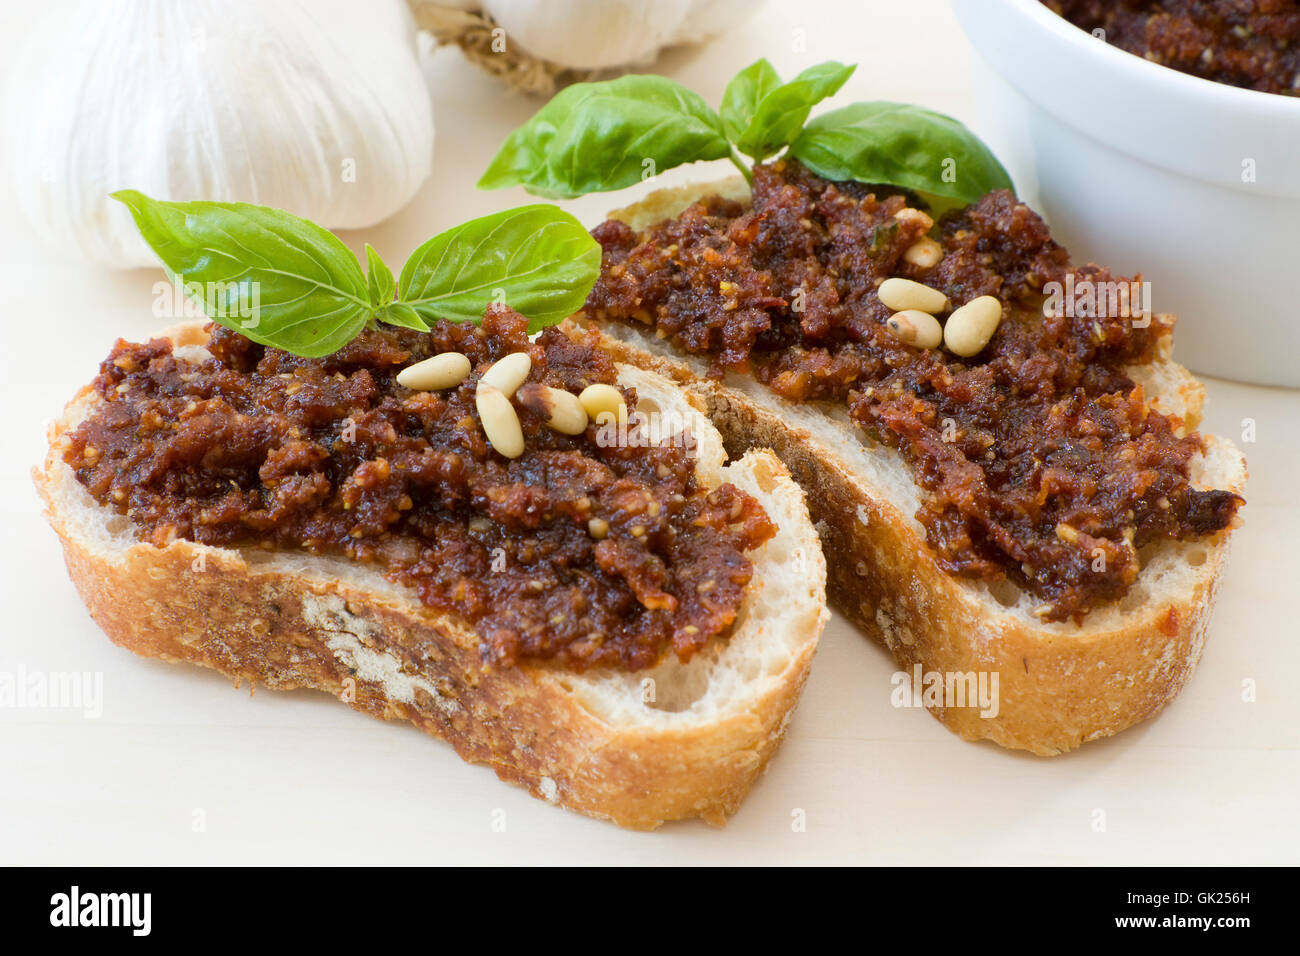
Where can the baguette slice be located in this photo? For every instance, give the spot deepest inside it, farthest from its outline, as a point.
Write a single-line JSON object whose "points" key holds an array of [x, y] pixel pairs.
{"points": [[594, 742], [1059, 684]]}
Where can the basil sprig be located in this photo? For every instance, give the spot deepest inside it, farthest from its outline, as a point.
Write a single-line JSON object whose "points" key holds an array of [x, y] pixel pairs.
{"points": [[594, 137], [537, 259], [761, 114], [903, 145], [288, 283]]}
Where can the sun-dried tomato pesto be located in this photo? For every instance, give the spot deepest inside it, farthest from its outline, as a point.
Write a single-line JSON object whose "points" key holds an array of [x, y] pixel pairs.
{"points": [[577, 553], [1040, 459], [1254, 44]]}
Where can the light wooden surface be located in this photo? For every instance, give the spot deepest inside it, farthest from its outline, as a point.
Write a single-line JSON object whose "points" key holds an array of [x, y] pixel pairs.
{"points": [[297, 778]]}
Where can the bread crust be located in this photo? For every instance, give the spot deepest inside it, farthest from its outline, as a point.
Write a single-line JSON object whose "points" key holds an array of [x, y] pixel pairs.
{"points": [[1059, 685], [378, 649]]}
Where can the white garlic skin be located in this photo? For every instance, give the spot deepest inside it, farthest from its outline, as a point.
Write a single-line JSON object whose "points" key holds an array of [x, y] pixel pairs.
{"points": [[600, 34], [318, 107]]}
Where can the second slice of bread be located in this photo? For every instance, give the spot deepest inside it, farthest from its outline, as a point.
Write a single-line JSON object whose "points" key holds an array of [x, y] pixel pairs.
{"points": [[1059, 684]]}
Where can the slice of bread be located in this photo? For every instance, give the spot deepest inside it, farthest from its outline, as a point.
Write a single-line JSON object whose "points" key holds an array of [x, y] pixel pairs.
{"points": [[675, 741], [1059, 684]]}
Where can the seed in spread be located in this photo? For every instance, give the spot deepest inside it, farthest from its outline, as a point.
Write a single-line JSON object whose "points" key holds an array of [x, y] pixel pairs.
{"points": [[1254, 44], [1040, 458], [257, 447]]}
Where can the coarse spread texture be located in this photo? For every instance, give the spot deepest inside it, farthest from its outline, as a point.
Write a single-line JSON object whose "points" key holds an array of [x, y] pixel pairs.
{"points": [[1254, 44], [582, 551], [674, 741], [1041, 459]]}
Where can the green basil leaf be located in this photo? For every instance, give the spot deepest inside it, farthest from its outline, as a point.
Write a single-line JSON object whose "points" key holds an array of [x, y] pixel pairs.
{"points": [[900, 145], [399, 313], [538, 260], [279, 280], [781, 113], [380, 283], [743, 94], [594, 137]]}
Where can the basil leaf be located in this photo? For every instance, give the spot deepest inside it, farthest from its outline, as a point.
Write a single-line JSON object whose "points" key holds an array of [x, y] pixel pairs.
{"points": [[743, 94], [279, 280], [380, 283], [538, 260], [399, 313], [594, 137], [781, 113], [900, 145]]}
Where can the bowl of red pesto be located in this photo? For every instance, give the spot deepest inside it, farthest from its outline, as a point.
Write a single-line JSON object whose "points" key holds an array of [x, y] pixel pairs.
{"points": [[1161, 137]]}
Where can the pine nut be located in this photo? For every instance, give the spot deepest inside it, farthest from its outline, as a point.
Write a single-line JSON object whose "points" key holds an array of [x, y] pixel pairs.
{"points": [[446, 370], [925, 253], [500, 423], [969, 328], [903, 294], [509, 373], [598, 528], [908, 214], [916, 328], [567, 414], [603, 398]]}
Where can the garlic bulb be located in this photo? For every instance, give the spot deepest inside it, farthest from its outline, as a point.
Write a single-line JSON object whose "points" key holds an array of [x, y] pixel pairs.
{"points": [[707, 18], [591, 34], [316, 106]]}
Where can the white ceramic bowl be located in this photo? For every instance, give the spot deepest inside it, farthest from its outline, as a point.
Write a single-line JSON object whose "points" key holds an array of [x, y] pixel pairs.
{"points": [[1141, 168]]}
